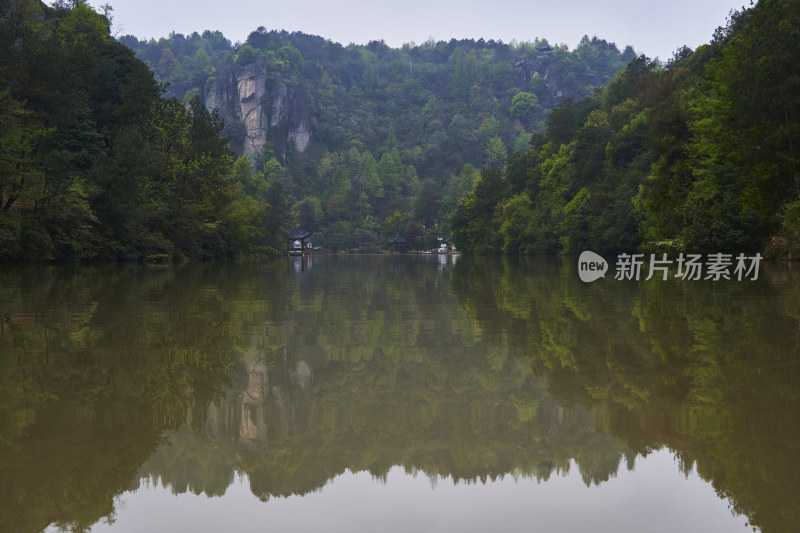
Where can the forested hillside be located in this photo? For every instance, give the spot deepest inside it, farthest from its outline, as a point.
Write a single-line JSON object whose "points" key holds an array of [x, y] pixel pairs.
{"points": [[96, 165], [217, 148], [372, 140], [698, 155]]}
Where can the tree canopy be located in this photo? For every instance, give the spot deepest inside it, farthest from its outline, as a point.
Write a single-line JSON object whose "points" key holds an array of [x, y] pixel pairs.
{"points": [[391, 129], [96, 166], [696, 155]]}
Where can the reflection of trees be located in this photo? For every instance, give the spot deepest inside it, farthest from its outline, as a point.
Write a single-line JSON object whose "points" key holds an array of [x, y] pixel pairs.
{"points": [[378, 366], [94, 366], [474, 371], [708, 369], [375, 415]]}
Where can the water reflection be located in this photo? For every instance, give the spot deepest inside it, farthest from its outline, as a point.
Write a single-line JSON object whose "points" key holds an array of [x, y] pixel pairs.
{"points": [[470, 370]]}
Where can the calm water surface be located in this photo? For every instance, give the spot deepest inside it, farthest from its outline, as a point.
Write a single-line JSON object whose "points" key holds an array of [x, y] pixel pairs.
{"points": [[396, 393]]}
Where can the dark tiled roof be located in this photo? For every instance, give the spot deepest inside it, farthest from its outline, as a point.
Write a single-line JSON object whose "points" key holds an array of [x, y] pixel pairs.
{"points": [[297, 234]]}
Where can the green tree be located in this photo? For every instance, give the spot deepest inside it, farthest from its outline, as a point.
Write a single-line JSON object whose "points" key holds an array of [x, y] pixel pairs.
{"points": [[277, 219], [496, 152], [308, 214], [246, 55], [517, 214], [474, 225], [523, 106]]}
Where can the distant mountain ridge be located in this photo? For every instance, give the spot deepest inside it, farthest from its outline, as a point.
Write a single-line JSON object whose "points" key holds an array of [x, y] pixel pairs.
{"points": [[432, 110]]}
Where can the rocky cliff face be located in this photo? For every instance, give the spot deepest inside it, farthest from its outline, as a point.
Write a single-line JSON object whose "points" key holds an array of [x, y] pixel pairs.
{"points": [[560, 82], [258, 106]]}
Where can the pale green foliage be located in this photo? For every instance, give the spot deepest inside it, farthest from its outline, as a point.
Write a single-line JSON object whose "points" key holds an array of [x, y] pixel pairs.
{"points": [[523, 142], [517, 214], [523, 105], [246, 55], [496, 152], [272, 169]]}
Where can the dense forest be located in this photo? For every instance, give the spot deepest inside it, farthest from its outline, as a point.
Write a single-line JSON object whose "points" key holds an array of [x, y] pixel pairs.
{"points": [[696, 155], [105, 159], [96, 165], [193, 146], [372, 140]]}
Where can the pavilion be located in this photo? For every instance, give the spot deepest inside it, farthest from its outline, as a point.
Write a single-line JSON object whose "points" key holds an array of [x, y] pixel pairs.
{"points": [[296, 241], [398, 243]]}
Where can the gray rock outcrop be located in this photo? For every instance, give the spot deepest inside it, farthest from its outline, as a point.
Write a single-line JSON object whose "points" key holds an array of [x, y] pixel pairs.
{"points": [[260, 106]]}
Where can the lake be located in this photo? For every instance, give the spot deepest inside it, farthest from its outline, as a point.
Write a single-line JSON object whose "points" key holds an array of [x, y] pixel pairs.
{"points": [[397, 393]]}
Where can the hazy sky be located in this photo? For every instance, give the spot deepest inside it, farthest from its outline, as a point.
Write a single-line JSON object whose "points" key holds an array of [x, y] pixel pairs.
{"points": [[655, 28], [654, 497]]}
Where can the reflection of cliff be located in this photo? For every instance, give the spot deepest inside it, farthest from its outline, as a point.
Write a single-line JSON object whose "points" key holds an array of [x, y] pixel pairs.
{"points": [[373, 367], [476, 371], [303, 420]]}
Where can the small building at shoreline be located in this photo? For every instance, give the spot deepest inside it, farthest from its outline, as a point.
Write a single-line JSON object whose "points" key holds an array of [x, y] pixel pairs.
{"points": [[296, 242], [398, 243]]}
